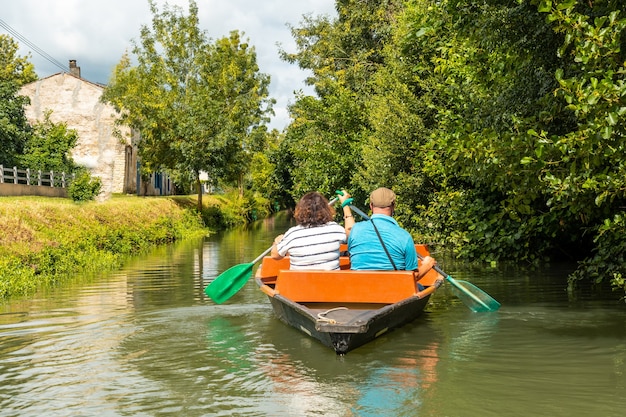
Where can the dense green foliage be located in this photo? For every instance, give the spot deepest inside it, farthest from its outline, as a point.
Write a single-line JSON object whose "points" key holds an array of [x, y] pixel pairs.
{"points": [[43, 146], [15, 71], [200, 106], [48, 147], [499, 123]]}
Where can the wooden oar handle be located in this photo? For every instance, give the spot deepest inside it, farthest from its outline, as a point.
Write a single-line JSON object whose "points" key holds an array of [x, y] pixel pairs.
{"points": [[359, 212], [262, 255]]}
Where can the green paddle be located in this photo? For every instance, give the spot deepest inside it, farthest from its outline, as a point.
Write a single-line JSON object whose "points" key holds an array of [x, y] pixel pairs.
{"points": [[473, 297], [229, 282]]}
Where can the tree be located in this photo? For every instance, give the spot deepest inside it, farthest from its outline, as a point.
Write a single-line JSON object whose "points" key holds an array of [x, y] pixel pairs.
{"points": [[464, 83], [195, 103], [48, 147], [230, 79], [500, 123], [13, 67], [328, 131], [584, 168], [15, 71], [526, 140]]}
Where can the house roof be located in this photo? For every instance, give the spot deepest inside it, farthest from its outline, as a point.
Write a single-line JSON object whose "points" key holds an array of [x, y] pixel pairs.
{"points": [[71, 75]]}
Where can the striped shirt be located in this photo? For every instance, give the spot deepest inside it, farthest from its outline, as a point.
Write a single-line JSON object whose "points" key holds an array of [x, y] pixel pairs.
{"points": [[313, 247]]}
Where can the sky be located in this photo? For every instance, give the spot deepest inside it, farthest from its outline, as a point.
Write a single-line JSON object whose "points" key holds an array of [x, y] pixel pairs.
{"points": [[96, 34]]}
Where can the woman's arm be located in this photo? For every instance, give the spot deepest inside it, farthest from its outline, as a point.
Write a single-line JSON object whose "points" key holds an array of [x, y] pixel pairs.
{"points": [[274, 252]]}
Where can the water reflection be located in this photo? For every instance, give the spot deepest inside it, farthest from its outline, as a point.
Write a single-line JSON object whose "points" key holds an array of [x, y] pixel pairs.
{"points": [[229, 344], [393, 388], [387, 377]]}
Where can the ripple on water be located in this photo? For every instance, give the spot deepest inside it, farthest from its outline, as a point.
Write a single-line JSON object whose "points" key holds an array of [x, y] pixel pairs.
{"points": [[147, 341]]}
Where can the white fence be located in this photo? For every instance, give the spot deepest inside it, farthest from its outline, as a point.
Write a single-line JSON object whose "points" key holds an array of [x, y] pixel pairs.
{"points": [[39, 178]]}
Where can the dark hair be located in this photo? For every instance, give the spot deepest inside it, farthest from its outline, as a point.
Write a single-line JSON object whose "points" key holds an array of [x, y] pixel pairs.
{"points": [[313, 210]]}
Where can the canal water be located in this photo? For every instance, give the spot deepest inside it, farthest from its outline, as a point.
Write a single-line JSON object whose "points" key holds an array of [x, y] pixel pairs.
{"points": [[146, 341]]}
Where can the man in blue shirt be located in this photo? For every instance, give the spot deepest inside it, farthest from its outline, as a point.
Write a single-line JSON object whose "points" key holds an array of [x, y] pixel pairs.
{"points": [[364, 243]]}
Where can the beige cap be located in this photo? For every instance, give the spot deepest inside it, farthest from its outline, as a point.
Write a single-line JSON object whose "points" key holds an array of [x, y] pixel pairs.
{"points": [[382, 197]]}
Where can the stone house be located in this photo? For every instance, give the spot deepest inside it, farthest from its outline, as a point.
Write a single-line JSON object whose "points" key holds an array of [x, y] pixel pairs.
{"points": [[110, 156]]}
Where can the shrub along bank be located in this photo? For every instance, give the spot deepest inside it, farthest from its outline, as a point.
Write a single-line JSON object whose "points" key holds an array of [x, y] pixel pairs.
{"points": [[45, 241]]}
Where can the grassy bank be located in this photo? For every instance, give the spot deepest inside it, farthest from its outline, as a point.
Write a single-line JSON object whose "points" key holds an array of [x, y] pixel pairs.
{"points": [[44, 241]]}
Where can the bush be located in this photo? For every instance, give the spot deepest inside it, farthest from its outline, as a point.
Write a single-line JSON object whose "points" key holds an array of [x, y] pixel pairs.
{"points": [[607, 262], [84, 187]]}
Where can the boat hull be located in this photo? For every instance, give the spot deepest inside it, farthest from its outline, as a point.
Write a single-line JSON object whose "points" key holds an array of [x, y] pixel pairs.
{"points": [[344, 309], [356, 328]]}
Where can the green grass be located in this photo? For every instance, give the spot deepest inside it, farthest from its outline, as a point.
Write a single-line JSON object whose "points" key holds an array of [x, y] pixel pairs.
{"points": [[46, 241]]}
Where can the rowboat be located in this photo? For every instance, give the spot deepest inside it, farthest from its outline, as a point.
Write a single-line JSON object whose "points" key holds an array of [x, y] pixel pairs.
{"points": [[345, 309]]}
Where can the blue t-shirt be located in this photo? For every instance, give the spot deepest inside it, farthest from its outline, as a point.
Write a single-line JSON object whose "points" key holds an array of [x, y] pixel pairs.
{"points": [[366, 251]]}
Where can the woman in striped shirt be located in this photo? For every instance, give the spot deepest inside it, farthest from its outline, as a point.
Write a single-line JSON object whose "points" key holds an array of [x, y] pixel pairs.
{"points": [[314, 242]]}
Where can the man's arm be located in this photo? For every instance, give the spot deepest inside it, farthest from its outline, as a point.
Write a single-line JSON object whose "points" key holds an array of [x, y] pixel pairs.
{"points": [[425, 265]]}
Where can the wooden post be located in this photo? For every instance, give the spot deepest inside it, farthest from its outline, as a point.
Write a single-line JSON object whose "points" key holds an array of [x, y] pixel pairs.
{"points": [[14, 175]]}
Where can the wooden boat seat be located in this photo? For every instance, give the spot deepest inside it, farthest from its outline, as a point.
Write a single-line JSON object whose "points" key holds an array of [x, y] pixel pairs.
{"points": [[345, 286], [271, 266]]}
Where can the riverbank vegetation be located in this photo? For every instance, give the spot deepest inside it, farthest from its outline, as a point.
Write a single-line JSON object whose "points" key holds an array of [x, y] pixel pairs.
{"points": [[45, 241], [501, 124]]}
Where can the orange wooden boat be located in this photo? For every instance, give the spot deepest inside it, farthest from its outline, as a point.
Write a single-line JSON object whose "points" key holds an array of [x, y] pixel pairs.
{"points": [[345, 309]]}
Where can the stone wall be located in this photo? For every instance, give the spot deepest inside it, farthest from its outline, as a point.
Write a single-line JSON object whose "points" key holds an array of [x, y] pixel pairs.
{"points": [[76, 102]]}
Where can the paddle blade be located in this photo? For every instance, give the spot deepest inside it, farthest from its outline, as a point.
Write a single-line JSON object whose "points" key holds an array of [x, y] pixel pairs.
{"points": [[229, 282], [473, 297]]}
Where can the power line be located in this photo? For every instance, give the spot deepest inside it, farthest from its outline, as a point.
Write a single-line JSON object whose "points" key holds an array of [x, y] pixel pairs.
{"points": [[34, 47]]}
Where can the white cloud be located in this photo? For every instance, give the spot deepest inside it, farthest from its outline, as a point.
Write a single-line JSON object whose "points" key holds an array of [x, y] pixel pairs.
{"points": [[96, 34]]}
